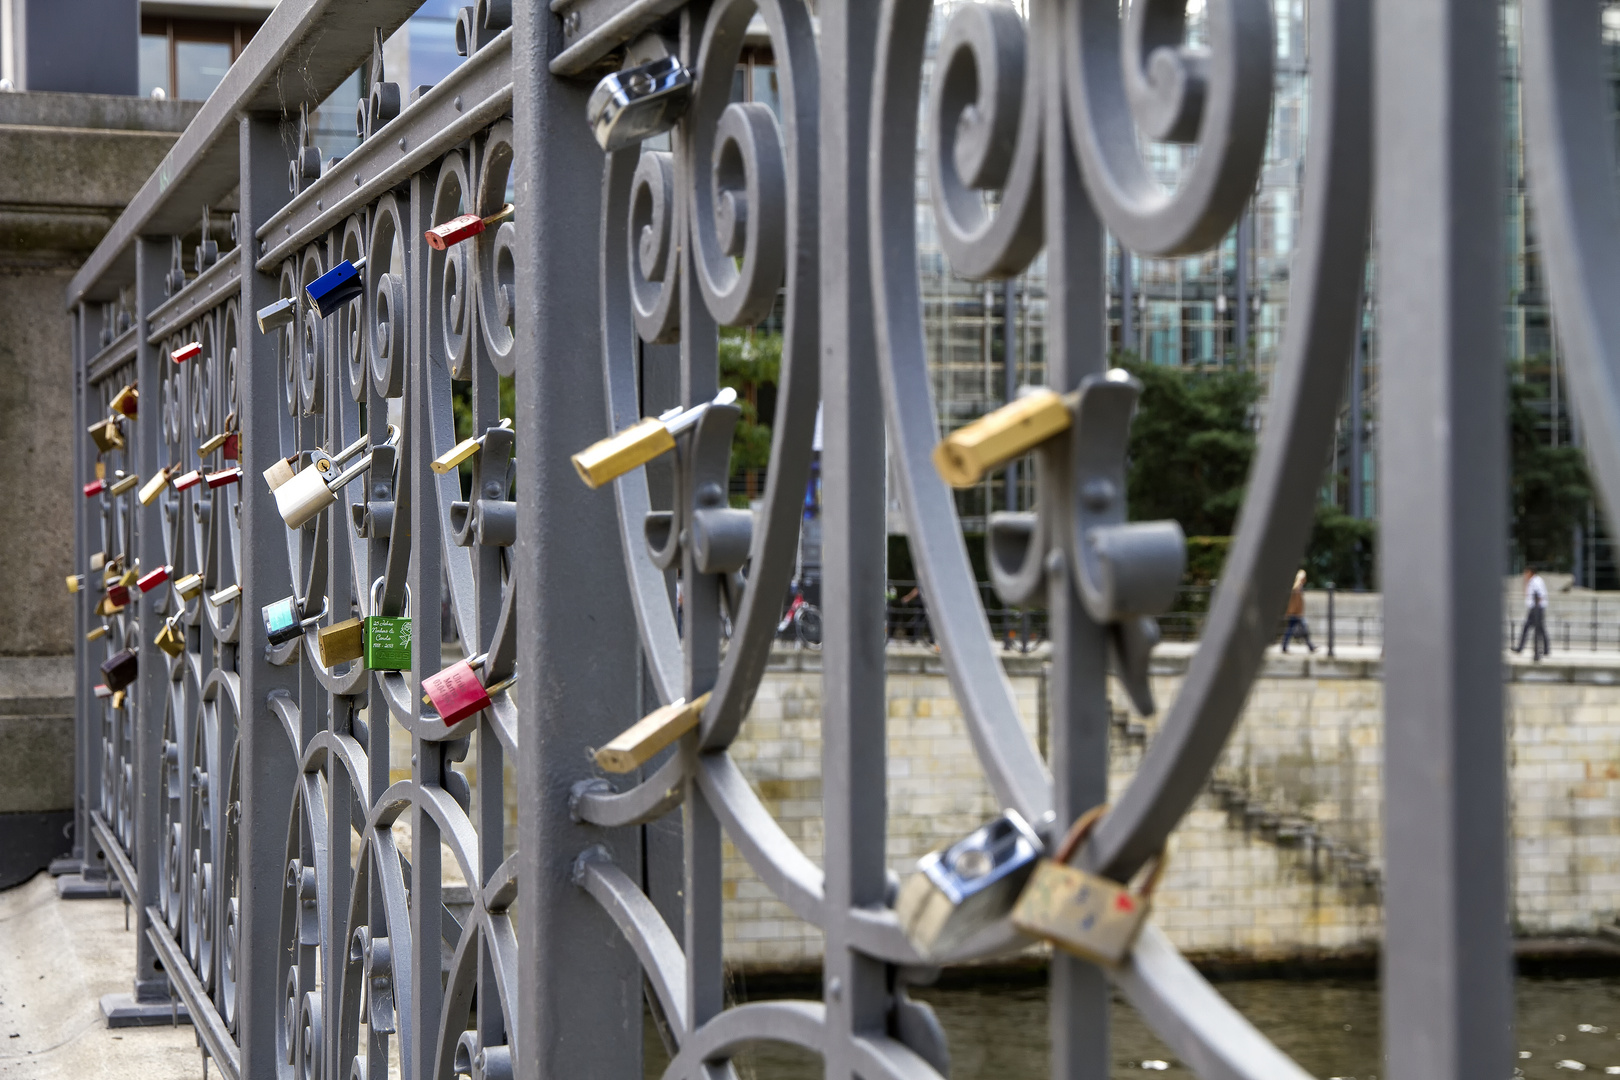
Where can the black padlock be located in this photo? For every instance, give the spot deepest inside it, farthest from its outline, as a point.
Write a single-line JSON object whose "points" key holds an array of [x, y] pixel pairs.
{"points": [[120, 669]]}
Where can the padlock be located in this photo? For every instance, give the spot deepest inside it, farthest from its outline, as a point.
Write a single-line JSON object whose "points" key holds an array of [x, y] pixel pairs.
{"points": [[123, 486], [95, 487], [315, 487], [233, 447], [284, 620], [1091, 916], [966, 454], [148, 582], [641, 442], [130, 577], [171, 639], [186, 352], [387, 638], [340, 643], [227, 438], [75, 582], [98, 560], [280, 313], [958, 891], [189, 586], [107, 435], [118, 698], [223, 477], [336, 287], [281, 472], [117, 597], [154, 487], [127, 401], [225, 595], [464, 227], [637, 744], [212, 443], [98, 633], [101, 690], [120, 669], [463, 450], [455, 693], [628, 106], [101, 470]]}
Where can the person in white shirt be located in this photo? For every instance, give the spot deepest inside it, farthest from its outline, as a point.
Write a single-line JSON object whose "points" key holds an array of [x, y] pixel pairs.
{"points": [[1535, 614]]}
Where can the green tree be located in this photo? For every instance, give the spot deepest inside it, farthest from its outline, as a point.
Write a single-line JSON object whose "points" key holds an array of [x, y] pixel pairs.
{"points": [[1548, 486], [751, 364], [1191, 444]]}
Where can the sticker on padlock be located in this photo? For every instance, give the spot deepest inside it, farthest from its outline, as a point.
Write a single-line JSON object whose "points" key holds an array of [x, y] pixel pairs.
{"points": [[186, 352], [224, 476], [1091, 916], [171, 639], [108, 436], [95, 487], [641, 442], [187, 481], [189, 586], [124, 486], [280, 313], [148, 582], [336, 287], [962, 889], [127, 401], [463, 450], [284, 620], [629, 106], [464, 227], [120, 669], [315, 487], [455, 693]]}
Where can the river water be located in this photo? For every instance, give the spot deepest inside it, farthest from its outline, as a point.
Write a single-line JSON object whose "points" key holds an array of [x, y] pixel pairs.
{"points": [[1564, 1027]]}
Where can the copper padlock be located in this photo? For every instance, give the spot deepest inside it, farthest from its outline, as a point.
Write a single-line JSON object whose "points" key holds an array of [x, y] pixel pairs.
{"points": [[1088, 915]]}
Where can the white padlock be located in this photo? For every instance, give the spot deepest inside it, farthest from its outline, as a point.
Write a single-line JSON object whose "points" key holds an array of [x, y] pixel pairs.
{"points": [[315, 487]]}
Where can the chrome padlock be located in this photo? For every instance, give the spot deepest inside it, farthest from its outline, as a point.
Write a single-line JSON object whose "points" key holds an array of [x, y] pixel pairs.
{"points": [[189, 586], [285, 621], [1091, 916], [958, 891], [280, 313], [629, 106], [315, 487], [336, 287], [455, 693], [120, 669], [171, 639]]}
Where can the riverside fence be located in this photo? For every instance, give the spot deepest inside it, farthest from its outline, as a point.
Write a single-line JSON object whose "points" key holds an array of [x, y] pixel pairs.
{"points": [[271, 311]]}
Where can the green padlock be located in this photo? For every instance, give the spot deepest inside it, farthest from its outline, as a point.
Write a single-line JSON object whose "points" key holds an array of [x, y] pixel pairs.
{"points": [[387, 638]]}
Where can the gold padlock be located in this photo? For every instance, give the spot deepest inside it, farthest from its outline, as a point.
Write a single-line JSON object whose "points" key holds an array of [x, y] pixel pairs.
{"points": [[171, 639], [1091, 916], [107, 435], [98, 633], [126, 401], [966, 454], [75, 582], [118, 699], [98, 560], [341, 642], [106, 607], [154, 487], [101, 470], [123, 487]]}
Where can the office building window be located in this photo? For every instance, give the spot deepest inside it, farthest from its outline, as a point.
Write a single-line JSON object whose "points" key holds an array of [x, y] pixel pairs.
{"points": [[187, 58]]}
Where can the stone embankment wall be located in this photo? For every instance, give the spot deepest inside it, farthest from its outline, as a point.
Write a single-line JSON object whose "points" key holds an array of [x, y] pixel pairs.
{"points": [[1279, 857]]}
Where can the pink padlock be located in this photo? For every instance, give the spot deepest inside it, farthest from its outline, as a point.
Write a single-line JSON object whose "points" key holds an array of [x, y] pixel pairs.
{"points": [[94, 488], [148, 582], [189, 480], [455, 693], [187, 352], [223, 477]]}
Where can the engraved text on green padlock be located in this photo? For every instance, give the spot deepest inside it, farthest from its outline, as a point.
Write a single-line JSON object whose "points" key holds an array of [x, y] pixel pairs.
{"points": [[388, 643]]}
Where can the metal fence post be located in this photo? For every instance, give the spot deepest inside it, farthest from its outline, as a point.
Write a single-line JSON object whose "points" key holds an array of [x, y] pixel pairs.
{"points": [[579, 998], [1330, 592], [1447, 969], [268, 761]]}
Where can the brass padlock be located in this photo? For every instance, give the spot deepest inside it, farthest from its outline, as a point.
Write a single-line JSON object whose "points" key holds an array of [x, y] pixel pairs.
{"points": [[154, 487], [127, 401], [107, 435], [641, 442], [966, 454], [340, 642], [962, 889], [98, 633], [124, 486], [1091, 916], [75, 582], [171, 639]]}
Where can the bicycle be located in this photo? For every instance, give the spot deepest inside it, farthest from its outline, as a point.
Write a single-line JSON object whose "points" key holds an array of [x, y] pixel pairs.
{"points": [[804, 618]]}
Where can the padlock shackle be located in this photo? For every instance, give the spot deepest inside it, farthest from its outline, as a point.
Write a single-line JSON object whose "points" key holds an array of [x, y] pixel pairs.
{"points": [[1082, 828], [686, 420], [376, 597]]}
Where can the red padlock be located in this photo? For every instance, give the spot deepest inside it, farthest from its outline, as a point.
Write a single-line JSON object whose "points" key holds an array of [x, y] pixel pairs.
{"points": [[189, 480], [223, 477], [94, 488], [148, 582], [187, 352], [233, 446], [118, 595], [455, 693], [461, 228]]}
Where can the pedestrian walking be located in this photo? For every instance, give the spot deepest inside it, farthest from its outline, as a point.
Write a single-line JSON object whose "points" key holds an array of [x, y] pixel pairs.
{"points": [[1296, 615], [1535, 615]]}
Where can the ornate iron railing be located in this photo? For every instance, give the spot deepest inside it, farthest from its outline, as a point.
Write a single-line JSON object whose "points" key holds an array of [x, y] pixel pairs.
{"points": [[318, 917]]}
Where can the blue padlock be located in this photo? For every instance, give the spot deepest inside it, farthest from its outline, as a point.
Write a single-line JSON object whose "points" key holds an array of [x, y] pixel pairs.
{"points": [[336, 287], [283, 620]]}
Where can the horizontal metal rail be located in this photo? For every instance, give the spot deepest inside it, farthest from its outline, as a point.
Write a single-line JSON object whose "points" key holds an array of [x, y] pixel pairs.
{"points": [[207, 290], [210, 1026]]}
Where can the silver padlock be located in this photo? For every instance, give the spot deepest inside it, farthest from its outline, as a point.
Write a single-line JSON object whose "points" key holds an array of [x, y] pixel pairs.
{"points": [[315, 487], [628, 106], [962, 889]]}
